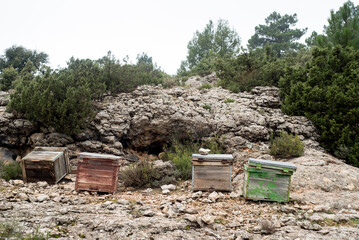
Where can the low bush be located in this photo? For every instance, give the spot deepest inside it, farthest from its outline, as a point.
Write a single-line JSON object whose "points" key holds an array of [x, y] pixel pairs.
{"points": [[286, 146], [207, 107], [10, 171], [229, 100], [205, 86], [144, 174]]}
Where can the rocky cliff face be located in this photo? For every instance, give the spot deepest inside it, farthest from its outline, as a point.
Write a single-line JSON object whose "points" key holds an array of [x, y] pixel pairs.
{"points": [[148, 117]]}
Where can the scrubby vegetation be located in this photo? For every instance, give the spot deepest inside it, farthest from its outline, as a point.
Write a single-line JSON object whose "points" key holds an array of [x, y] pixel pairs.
{"points": [[12, 230], [143, 174], [286, 146], [10, 171], [205, 86]]}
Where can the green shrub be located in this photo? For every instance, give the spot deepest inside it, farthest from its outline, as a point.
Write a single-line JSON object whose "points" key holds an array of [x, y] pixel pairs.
{"points": [[207, 107], [205, 86], [59, 99], [286, 146], [10, 171], [326, 91], [144, 174], [180, 153], [229, 100], [126, 77]]}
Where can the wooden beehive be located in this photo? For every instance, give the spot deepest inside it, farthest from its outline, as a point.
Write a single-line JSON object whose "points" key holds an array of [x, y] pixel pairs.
{"points": [[97, 172], [267, 180], [212, 172], [48, 164]]}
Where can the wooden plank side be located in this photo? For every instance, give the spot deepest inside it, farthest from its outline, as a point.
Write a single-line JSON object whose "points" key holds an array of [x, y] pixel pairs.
{"points": [[86, 167], [94, 176], [99, 162], [23, 169], [212, 178], [217, 163]]}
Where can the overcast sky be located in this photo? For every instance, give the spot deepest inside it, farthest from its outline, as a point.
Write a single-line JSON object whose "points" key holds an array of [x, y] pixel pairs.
{"points": [[160, 28]]}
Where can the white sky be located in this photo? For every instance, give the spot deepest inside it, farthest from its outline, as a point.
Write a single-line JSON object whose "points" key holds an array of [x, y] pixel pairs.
{"points": [[161, 28]]}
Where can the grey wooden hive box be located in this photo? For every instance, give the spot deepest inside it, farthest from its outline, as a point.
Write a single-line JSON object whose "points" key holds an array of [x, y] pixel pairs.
{"points": [[48, 164], [267, 180], [212, 172]]}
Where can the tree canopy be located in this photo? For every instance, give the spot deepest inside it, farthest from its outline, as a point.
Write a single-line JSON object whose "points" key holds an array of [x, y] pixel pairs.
{"points": [[17, 57], [342, 28], [278, 33], [214, 41]]}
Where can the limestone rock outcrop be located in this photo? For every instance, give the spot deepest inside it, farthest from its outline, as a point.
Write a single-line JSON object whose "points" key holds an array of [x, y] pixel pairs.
{"points": [[148, 117]]}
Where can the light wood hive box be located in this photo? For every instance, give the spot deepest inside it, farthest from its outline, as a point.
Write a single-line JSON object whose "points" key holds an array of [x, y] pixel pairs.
{"points": [[212, 172], [97, 172], [48, 164], [267, 180]]}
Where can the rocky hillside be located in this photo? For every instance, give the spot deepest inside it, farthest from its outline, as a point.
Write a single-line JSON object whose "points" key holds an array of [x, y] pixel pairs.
{"points": [[147, 118], [324, 196]]}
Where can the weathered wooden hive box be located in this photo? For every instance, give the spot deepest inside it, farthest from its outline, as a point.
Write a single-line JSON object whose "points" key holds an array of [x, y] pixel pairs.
{"points": [[267, 180], [212, 172], [48, 164], [97, 172]]}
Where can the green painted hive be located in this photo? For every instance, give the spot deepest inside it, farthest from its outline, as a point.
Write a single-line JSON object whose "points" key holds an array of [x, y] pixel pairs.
{"points": [[267, 180]]}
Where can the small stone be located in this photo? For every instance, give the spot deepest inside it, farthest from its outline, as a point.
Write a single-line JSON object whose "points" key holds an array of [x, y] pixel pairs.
{"points": [[57, 199], [208, 219], [213, 196], [42, 198], [235, 195], [181, 198], [172, 212], [190, 218], [23, 196], [106, 204], [111, 207], [266, 227], [148, 213], [287, 209], [166, 192], [350, 187], [69, 186], [315, 217], [204, 151], [341, 218], [18, 182], [191, 211], [4, 207], [197, 194], [123, 201], [321, 208], [170, 187], [147, 190], [42, 184]]}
